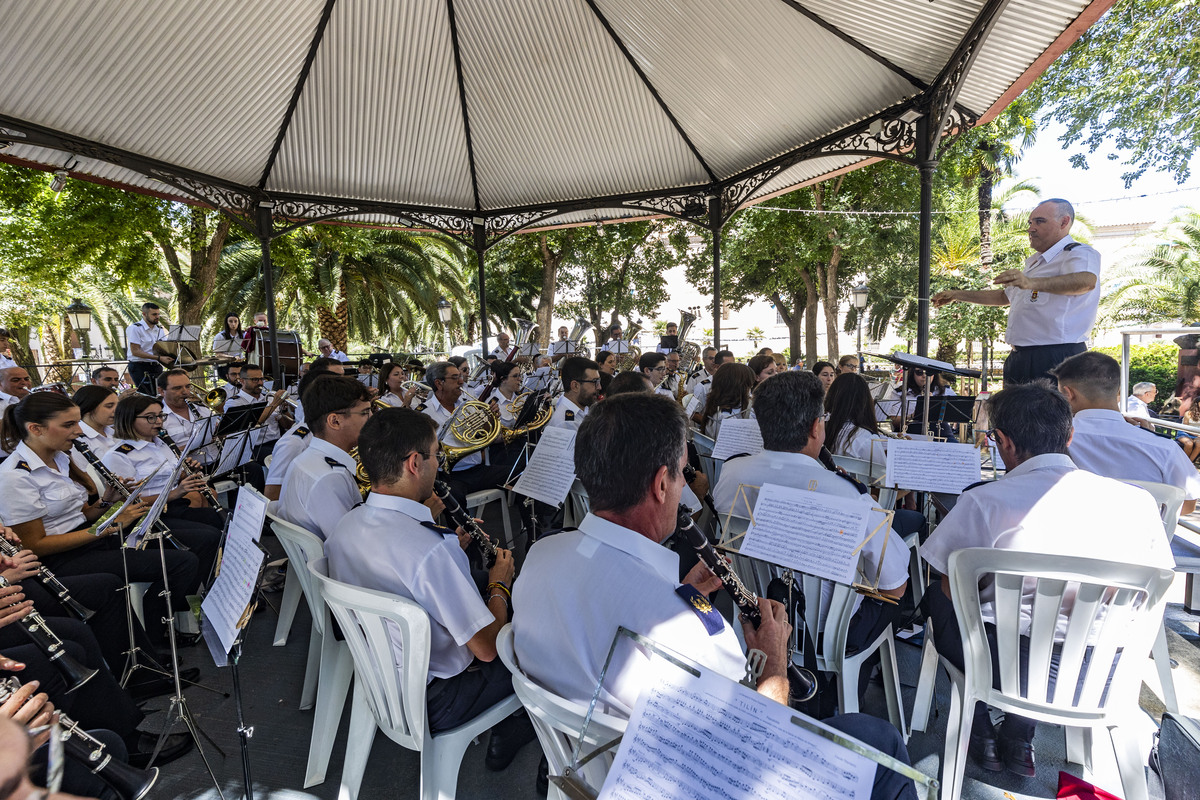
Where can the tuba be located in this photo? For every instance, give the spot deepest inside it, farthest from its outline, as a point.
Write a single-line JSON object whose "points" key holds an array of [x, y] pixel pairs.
{"points": [[688, 351], [474, 425], [521, 337], [582, 326], [627, 362]]}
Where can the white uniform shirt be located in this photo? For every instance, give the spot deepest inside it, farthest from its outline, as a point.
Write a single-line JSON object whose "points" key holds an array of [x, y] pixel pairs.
{"points": [[179, 428], [228, 346], [269, 431], [6, 362], [566, 414], [338, 355], [1047, 505], [507, 418], [858, 442], [382, 545], [1136, 407], [694, 381], [99, 442], [319, 488], [1039, 318], [502, 352], [438, 412], [577, 587], [1104, 443], [137, 458], [144, 336], [290, 445], [712, 426], [30, 489], [700, 392], [393, 400], [799, 471]]}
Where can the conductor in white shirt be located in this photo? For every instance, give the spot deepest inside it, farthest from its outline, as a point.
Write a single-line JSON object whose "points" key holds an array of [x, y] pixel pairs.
{"points": [[1052, 302]]}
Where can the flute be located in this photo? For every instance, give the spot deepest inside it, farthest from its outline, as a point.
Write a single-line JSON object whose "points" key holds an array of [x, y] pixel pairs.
{"points": [[129, 783], [802, 683], [52, 648], [206, 492], [463, 520], [114, 482], [53, 584]]}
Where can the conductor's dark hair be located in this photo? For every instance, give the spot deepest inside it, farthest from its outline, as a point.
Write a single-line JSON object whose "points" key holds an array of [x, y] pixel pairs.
{"points": [[627, 382], [1035, 416], [329, 394], [1095, 375], [390, 436], [575, 369], [786, 406], [128, 409], [648, 361], [621, 445]]}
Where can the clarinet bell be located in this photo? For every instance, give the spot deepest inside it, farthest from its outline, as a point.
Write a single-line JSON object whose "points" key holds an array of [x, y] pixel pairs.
{"points": [[75, 674], [802, 684], [77, 609], [127, 782]]}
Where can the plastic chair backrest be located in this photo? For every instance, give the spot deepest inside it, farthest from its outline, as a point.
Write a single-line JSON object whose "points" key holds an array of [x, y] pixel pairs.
{"points": [[866, 471], [303, 546], [560, 720], [395, 694], [1129, 598], [836, 610], [1169, 499]]}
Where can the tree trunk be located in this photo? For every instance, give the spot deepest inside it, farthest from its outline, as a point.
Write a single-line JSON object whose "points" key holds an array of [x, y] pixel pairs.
{"points": [[829, 277], [327, 324], [987, 177], [791, 316], [194, 288], [545, 310], [810, 320]]}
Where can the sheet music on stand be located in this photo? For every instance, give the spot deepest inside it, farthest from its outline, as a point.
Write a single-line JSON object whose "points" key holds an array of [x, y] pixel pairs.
{"points": [[551, 469], [183, 333], [143, 527], [235, 451], [103, 527], [930, 466], [695, 733], [737, 436], [227, 607]]}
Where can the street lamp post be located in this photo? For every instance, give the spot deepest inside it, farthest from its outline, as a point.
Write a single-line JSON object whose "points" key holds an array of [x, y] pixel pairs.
{"points": [[444, 312], [859, 296], [80, 317]]}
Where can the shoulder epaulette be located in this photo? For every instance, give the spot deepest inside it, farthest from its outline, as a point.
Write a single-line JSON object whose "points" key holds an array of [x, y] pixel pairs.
{"points": [[125, 448], [333, 462], [706, 381], [738, 455], [712, 620], [1073, 245], [433, 526], [422, 406], [976, 485], [862, 487], [24, 465], [301, 432], [569, 416]]}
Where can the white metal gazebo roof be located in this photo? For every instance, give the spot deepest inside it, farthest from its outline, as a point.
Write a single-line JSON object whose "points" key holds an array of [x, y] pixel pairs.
{"points": [[437, 112]]}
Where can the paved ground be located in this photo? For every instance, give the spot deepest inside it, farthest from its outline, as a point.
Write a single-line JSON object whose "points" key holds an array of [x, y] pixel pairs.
{"points": [[272, 679]]}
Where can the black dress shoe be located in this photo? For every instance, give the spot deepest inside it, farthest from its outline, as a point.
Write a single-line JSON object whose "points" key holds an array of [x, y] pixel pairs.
{"points": [[985, 752], [141, 748], [1018, 757], [543, 778], [508, 736]]}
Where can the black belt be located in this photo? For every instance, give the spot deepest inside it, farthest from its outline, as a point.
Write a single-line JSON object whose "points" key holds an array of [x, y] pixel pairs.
{"points": [[1016, 348]]}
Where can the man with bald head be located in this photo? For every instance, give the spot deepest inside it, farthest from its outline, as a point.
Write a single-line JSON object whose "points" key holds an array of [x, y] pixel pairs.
{"points": [[1053, 301], [14, 386]]}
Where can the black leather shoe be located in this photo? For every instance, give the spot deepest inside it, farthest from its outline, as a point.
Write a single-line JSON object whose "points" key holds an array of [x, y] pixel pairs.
{"points": [[1018, 757], [985, 752], [141, 747], [159, 685], [508, 737], [543, 778]]}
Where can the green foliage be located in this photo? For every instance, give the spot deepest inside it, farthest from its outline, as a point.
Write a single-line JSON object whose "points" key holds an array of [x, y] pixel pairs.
{"points": [[1157, 362], [1129, 83], [1165, 285]]}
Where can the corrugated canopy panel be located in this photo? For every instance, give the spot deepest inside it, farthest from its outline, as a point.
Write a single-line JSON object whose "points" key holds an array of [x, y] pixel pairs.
{"points": [[514, 105]]}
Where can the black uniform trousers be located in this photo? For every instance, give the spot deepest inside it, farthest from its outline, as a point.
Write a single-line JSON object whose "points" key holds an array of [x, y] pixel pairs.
{"points": [[144, 374], [1026, 364]]}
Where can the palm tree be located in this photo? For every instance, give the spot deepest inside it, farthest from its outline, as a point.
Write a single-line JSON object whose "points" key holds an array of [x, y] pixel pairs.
{"points": [[1165, 285], [378, 286]]}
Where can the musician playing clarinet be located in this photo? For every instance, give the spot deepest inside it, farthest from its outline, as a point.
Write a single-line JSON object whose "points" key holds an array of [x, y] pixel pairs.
{"points": [[390, 543], [613, 571]]}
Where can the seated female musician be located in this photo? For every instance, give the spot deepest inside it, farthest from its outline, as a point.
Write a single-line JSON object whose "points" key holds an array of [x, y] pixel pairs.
{"points": [[504, 388], [825, 373], [852, 426], [50, 505], [914, 390], [97, 407], [139, 453], [391, 385], [728, 397], [607, 362], [763, 367]]}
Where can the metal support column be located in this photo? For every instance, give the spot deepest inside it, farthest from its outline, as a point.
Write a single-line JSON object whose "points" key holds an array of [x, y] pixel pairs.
{"points": [[262, 223], [926, 163], [714, 226], [480, 234]]}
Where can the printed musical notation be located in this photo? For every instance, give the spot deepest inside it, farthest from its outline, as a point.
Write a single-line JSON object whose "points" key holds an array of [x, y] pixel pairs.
{"points": [[224, 607], [818, 534], [932, 466], [551, 469], [737, 436], [699, 738]]}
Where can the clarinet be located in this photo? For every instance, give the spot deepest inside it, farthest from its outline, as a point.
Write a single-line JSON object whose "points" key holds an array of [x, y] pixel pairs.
{"points": [[52, 583], [463, 520], [114, 482], [802, 683], [206, 492], [52, 648], [129, 783]]}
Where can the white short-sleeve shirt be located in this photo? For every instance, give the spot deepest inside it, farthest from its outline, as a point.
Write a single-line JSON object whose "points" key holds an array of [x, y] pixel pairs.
{"points": [[290, 445], [137, 459], [577, 587], [30, 489], [1136, 407], [144, 336], [1041, 318], [567, 414], [269, 431], [180, 426], [382, 545], [1104, 443], [319, 488], [1047, 505], [860, 443], [433, 408]]}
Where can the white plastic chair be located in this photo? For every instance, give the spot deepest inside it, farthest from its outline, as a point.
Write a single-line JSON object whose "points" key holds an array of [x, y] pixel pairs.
{"points": [[1129, 597], [329, 670], [390, 697], [831, 648], [292, 590], [558, 722], [475, 505]]}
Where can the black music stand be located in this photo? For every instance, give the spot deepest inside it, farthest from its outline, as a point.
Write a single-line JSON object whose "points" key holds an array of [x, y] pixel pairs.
{"points": [[908, 361], [240, 418]]}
